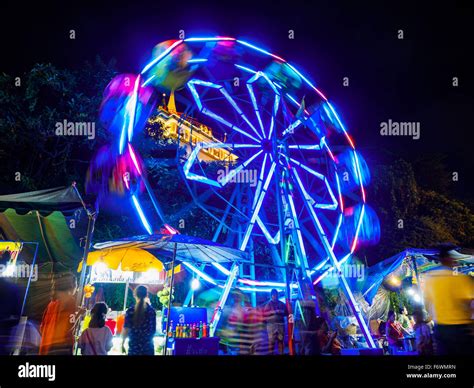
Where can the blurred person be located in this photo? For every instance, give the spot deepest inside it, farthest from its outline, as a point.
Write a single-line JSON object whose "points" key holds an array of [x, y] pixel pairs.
{"points": [[60, 318], [424, 340], [449, 298], [140, 325], [96, 340], [327, 340], [274, 312], [10, 306], [404, 320], [308, 331], [394, 332]]}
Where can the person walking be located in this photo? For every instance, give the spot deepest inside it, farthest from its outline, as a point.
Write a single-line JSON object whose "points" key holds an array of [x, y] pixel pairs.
{"points": [[60, 318], [448, 297], [274, 314], [140, 325]]}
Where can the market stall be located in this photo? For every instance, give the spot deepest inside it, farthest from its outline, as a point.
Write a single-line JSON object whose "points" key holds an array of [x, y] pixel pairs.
{"points": [[135, 261]]}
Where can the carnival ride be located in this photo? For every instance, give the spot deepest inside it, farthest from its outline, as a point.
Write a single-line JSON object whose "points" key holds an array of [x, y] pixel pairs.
{"points": [[286, 173]]}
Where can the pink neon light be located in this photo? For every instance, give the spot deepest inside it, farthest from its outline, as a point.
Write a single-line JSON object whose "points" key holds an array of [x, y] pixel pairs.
{"points": [[320, 93], [134, 158], [321, 277], [349, 139]]}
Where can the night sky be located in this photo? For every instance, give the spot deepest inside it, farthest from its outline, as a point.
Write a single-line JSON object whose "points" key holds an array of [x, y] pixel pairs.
{"points": [[402, 80]]}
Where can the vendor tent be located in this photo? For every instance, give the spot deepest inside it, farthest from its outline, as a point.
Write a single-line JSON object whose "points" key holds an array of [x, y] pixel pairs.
{"points": [[406, 262], [58, 224], [55, 218]]}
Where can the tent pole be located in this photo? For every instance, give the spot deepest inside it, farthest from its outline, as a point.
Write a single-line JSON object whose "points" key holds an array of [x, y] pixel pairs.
{"points": [[125, 296], [417, 275], [168, 313], [90, 231], [29, 280]]}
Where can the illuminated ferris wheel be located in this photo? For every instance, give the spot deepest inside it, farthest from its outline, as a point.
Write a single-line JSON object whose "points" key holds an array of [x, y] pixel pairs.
{"points": [[261, 149]]}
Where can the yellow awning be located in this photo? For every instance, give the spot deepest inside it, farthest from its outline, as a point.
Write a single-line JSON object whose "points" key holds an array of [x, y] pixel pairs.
{"points": [[128, 259]]}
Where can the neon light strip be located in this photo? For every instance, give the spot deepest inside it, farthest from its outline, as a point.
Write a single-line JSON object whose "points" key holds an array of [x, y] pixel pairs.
{"points": [[307, 81], [305, 147], [134, 158], [341, 202], [148, 80], [308, 169], [359, 175], [248, 70], [255, 107], [339, 222], [257, 208], [341, 125], [223, 299], [260, 50], [235, 171], [204, 83], [272, 240], [334, 204], [336, 264], [239, 111], [197, 60], [208, 112], [211, 114], [298, 232], [323, 140], [325, 273], [276, 105], [209, 39], [200, 273], [260, 180], [141, 215], [221, 268], [122, 135], [132, 108], [161, 56], [190, 161], [354, 243]]}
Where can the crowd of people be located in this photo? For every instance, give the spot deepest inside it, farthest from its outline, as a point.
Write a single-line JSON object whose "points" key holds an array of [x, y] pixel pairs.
{"points": [[443, 324], [62, 315]]}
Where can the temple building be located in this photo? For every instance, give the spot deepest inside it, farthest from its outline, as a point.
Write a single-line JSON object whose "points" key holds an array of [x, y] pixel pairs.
{"points": [[190, 132]]}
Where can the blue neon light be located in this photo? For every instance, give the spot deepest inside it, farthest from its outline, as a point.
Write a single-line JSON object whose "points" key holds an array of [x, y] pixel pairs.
{"points": [[141, 215]]}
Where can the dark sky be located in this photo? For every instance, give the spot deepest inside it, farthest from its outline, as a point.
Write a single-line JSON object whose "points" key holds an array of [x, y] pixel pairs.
{"points": [[402, 80]]}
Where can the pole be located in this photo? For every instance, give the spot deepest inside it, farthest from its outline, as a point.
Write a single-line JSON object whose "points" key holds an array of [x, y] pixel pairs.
{"points": [[281, 224], [417, 275], [29, 280], [168, 313], [126, 295], [90, 231]]}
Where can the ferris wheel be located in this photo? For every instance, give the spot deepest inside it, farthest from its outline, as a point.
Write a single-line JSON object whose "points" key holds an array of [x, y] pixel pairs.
{"points": [[260, 148]]}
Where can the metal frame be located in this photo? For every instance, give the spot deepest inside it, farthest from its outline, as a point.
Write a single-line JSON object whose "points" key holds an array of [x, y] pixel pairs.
{"points": [[280, 164]]}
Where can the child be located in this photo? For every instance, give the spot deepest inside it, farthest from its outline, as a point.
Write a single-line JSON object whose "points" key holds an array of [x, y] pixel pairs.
{"points": [[96, 340]]}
